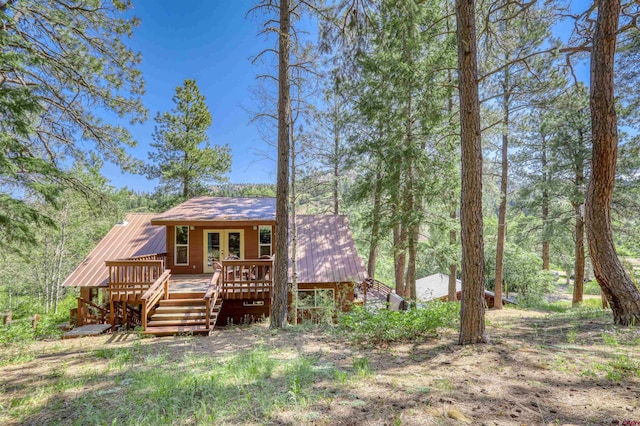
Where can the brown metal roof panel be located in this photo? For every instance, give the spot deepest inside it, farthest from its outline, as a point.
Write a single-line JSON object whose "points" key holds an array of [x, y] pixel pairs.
{"points": [[220, 209], [326, 250], [133, 238]]}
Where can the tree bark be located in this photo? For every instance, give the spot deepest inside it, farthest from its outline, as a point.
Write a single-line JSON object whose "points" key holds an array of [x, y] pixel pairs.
{"points": [[294, 230], [502, 209], [280, 281], [545, 206], [375, 224], [453, 268], [621, 293], [578, 282], [336, 149], [472, 326]]}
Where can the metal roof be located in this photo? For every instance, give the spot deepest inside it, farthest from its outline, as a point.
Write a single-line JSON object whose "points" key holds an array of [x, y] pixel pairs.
{"points": [[220, 209], [434, 287], [326, 250], [134, 237]]}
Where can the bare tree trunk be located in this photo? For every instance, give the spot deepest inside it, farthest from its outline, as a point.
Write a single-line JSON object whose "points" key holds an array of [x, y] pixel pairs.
{"points": [[545, 206], [578, 282], [621, 293], [61, 245], [453, 268], [336, 149], [502, 209], [472, 328], [375, 224], [294, 230], [280, 284], [399, 256]]}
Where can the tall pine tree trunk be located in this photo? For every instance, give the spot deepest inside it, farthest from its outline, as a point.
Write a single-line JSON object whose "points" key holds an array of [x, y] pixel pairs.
{"points": [[375, 223], [280, 281], [545, 206], [294, 230], [336, 149], [578, 282], [453, 268], [472, 307], [621, 293], [502, 209]]}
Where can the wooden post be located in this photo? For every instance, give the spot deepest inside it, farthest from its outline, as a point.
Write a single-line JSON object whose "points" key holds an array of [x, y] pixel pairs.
{"points": [[166, 289], [80, 313], [112, 313], [124, 313], [144, 314]]}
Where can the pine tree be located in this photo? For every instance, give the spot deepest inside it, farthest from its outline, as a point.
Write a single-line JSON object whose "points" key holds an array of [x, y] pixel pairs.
{"points": [[184, 166], [59, 60]]}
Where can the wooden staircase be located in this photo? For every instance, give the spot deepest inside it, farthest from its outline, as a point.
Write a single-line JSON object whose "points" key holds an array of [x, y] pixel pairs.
{"points": [[182, 313]]}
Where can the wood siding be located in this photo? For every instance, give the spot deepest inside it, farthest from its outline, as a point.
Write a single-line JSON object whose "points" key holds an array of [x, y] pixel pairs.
{"points": [[237, 311], [197, 249]]}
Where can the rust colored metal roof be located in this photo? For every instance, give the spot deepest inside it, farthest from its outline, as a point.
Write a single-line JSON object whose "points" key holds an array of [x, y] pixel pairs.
{"points": [[220, 209], [133, 238], [326, 251]]}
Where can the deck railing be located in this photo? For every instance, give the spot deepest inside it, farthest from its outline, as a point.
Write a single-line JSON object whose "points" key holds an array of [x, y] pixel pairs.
{"points": [[212, 295], [159, 290], [247, 279], [129, 279], [85, 316], [154, 256]]}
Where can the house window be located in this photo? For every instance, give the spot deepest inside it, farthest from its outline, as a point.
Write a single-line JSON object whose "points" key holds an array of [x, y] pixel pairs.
{"points": [[182, 246], [316, 305], [264, 240]]}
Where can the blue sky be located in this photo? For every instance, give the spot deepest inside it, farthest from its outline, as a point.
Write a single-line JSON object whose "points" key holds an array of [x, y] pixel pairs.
{"points": [[213, 42]]}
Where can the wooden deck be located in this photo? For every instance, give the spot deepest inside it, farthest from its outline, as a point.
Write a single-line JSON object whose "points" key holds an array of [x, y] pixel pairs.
{"points": [[189, 283], [86, 330]]}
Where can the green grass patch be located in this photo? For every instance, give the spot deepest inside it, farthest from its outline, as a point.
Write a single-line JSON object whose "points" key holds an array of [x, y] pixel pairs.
{"points": [[616, 369], [385, 326], [249, 387]]}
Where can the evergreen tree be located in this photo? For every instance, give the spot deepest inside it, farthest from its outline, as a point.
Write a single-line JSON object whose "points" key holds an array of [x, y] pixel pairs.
{"points": [[60, 59], [184, 166]]}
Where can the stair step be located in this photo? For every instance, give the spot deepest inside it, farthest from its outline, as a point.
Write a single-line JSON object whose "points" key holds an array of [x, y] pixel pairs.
{"points": [[178, 315], [179, 309], [186, 295], [182, 302], [173, 330], [181, 321]]}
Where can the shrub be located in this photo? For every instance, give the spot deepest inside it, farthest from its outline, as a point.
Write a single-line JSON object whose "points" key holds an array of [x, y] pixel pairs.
{"points": [[592, 287], [383, 326]]}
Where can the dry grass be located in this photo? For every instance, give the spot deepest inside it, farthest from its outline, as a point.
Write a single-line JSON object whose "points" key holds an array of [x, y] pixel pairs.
{"points": [[570, 368]]}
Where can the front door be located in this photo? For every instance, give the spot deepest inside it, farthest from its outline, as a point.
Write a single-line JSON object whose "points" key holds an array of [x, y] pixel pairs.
{"points": [[222, 243]]}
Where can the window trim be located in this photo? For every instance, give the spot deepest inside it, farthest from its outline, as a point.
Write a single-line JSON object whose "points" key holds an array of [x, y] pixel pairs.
{"points": [[176, 245], [260, 245], [315, 290]]}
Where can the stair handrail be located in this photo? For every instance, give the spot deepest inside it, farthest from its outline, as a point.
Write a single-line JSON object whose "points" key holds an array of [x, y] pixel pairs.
{"points": [[159, 290], [213, 292], [103, 311]]}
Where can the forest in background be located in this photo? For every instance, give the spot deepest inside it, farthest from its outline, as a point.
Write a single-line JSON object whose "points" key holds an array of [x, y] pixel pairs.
{"points": [[374, 134]]}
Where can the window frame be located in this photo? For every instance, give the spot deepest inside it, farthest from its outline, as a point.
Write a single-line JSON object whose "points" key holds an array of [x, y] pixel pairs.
{"points": [[260, 244], [315, 291], [176, 245]]}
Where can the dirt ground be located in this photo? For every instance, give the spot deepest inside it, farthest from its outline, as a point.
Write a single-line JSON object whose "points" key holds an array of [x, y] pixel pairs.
{"points": [[538, 369]]}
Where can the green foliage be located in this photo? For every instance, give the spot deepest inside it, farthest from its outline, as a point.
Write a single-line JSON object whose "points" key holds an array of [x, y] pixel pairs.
{"points": [[21, 330], [385, 326], [522, 271], [362, 367], [59, 61], [182, 164], [592, 287]]}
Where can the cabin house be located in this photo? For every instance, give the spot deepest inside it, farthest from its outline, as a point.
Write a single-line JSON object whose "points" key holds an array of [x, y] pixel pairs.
{"points": [[208, 262], [436, 287]]}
